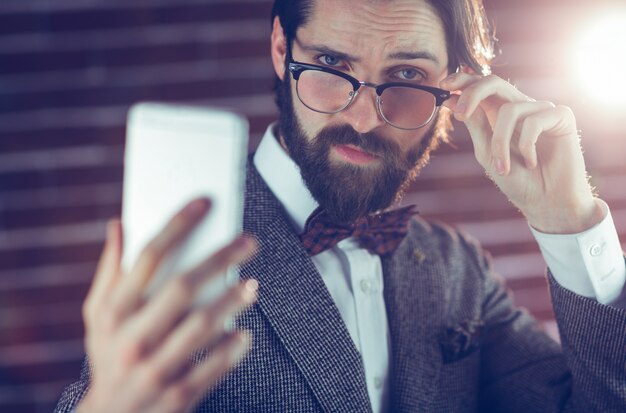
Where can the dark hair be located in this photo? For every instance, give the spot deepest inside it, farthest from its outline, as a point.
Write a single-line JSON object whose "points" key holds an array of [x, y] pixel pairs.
{"points": [[469, 38]]}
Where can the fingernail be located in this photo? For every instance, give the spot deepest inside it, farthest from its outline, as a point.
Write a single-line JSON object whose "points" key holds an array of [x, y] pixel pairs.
{"points": [[250, 290], [499, 165], [252, 285], [197, 206]]}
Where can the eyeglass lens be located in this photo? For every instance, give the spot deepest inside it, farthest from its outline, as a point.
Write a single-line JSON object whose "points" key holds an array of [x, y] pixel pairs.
{"points": [[404, 107]]}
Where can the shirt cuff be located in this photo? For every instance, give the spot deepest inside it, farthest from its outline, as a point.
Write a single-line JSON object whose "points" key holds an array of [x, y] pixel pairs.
{"points": [[590, 263]]}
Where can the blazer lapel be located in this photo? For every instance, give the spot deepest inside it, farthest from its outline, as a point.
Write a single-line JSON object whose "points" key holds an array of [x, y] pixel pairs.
{"points": [[297, 304], [415, 299]]}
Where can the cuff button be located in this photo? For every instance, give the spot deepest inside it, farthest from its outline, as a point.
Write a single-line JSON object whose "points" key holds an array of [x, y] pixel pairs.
{"points": [[595, 250]]}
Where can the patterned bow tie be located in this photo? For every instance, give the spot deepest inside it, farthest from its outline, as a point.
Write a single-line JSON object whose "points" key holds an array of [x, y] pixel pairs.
{"points": [[380, 234]]}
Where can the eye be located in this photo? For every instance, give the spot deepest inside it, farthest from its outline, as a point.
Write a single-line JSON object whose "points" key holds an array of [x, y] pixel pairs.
{"points": [[409, 74], [328, 60]]}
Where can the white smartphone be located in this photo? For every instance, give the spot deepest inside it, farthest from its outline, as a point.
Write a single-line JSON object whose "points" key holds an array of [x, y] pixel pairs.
{"points": [[174, 154]]}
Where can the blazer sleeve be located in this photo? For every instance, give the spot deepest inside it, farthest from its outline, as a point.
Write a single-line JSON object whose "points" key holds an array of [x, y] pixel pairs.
{"points": [[593, 337], [523, 370], [74, 393]]}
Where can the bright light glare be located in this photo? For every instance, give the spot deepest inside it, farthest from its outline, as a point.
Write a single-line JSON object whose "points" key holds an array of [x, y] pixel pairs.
{"points": [[600, 59]]}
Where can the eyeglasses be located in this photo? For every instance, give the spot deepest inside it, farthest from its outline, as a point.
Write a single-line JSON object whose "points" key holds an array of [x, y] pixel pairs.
{"points": [[402, 105]]}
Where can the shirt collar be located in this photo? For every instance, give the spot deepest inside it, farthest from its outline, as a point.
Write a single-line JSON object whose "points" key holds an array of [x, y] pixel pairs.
{"points": [[282, 176]]}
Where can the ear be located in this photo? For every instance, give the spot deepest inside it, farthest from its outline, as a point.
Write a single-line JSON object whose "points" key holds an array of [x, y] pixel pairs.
{"points": [[279, 48]]}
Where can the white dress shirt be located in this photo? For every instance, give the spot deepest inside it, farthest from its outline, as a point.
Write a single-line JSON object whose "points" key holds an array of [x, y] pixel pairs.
{"points": [[590, 264]]}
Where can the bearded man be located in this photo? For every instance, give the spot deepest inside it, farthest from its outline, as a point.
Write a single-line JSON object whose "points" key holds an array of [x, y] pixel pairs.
{"points": [[354, 306]]}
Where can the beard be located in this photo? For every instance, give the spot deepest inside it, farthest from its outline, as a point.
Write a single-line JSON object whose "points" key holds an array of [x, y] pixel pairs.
{"points": [[345, 191]]}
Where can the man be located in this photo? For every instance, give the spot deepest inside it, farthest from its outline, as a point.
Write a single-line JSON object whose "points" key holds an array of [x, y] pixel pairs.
{"points": [[397, 314]]}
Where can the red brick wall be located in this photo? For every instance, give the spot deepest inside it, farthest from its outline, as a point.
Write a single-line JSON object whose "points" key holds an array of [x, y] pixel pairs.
{"points": [[69, 70]]}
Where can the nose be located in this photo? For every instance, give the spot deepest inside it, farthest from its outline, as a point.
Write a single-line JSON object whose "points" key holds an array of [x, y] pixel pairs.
{"points": [[362, 114]]}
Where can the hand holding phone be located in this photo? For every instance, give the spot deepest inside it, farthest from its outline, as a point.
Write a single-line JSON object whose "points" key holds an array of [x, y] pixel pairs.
{"points": [[143, 315], [139, 349]]}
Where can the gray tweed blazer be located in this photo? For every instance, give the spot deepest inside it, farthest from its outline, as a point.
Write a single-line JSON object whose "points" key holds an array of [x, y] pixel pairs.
{"points": [[457, 342]]}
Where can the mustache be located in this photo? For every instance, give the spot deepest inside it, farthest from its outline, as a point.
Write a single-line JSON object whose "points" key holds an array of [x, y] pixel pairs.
{"points": [[369, 142]]}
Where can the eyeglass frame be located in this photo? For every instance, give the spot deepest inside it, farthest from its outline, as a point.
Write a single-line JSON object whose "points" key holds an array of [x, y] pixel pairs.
{"points": [[441, 95]]}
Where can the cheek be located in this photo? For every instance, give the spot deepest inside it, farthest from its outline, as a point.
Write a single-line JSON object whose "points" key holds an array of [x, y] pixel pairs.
{"points": [[310, 121]]}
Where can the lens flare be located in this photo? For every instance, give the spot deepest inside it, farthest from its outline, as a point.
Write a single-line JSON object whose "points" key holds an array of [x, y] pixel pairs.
{"points": [[599, 58]]}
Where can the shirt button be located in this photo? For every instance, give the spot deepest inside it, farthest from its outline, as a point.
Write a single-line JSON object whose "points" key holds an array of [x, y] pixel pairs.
{"points": [[366, 286], [378, 382], [595, 250]]}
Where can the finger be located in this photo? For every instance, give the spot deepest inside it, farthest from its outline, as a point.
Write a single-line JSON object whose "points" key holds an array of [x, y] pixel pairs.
{"points": [[107, 270], [187, 392], [174, 232], [202, 328], [171, 302], [238, 251], [487, 87], [535, 125], [131, 287], [455, 83], [509, 117]]}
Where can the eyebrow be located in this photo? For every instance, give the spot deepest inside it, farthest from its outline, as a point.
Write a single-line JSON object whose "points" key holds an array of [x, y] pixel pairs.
{"points": [[413, 55], [401, 55]]}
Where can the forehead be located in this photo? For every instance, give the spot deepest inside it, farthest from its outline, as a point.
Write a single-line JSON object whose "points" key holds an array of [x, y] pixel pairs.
{"points": [[376, 28]]}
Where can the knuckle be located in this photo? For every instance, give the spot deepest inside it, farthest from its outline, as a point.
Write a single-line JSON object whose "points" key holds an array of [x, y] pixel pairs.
{"points": [[566, 111], [531, 124], [131, 351], [509, 110], [183, 287]]}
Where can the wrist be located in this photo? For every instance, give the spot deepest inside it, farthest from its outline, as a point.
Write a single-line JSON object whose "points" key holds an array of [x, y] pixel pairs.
{"points": [[570, 220]]}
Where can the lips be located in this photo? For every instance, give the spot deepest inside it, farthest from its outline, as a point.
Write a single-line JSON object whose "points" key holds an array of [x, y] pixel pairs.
{"points": [[352, 154]]}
